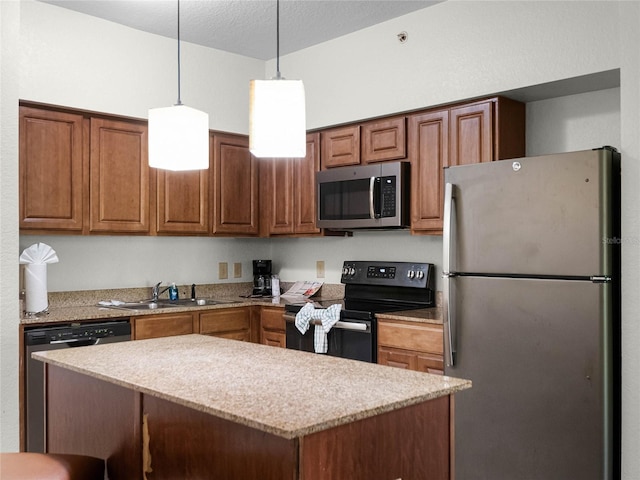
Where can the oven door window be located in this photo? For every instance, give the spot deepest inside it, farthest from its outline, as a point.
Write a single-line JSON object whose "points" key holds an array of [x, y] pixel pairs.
{"points": [[345, 200]]}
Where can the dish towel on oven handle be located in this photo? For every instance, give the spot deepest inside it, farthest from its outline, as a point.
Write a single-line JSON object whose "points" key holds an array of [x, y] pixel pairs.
{"points": [[328, 318]]}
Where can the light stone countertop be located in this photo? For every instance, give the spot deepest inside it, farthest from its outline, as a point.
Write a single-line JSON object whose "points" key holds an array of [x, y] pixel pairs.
{"points": [[284, 392], [423, 315], [65, 307]]}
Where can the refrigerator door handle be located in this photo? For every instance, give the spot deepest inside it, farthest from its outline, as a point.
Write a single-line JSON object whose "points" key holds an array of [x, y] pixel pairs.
{"points": [[448, 319]]}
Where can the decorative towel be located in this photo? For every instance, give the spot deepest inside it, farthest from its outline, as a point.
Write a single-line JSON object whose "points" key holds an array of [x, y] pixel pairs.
{"points": [[36, 257], [328, 318]]}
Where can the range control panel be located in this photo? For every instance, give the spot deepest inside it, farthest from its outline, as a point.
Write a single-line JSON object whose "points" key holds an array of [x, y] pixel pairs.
{"points": [[400, 274]]}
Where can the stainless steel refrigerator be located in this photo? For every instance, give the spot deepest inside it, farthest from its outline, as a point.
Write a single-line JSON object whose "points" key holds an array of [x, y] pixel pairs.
{"points": [[531, 293]]}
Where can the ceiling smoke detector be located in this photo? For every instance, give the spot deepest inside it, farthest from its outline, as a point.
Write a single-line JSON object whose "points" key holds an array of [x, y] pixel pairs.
{"points": [[403, 37]]}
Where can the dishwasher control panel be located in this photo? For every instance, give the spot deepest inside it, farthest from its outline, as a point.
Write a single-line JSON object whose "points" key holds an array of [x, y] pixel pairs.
{"points": [[77, 331]]}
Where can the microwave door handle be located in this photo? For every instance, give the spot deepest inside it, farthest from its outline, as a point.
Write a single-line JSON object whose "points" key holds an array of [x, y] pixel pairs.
{"points": [[372, 189]]}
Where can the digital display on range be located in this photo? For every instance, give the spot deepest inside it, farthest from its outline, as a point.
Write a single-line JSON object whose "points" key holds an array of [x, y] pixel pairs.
{"points": [[381, 272]]}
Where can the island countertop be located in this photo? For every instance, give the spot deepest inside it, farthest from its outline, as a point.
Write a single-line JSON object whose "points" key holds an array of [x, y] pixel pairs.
{"points": [[283, 392]]}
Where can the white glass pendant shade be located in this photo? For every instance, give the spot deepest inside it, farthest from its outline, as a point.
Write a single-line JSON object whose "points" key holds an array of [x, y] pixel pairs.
{"points": [[178, 138], [277, 127]]}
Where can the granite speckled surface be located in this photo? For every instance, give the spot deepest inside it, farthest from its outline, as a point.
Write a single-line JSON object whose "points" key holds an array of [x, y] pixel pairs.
{"points": [[65, 307], [423, 315], [284, 392]]}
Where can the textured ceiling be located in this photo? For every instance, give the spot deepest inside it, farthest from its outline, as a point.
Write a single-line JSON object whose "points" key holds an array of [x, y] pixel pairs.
{"points": [[248, 27]]}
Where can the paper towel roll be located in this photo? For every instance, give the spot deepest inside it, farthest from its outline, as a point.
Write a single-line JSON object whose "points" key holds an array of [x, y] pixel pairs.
{"points": [[35, 283]]}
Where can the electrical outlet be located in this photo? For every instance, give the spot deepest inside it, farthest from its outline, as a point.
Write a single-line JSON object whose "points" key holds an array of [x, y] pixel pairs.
{"points": [[237, 270], [223, 270], [320, 269]]}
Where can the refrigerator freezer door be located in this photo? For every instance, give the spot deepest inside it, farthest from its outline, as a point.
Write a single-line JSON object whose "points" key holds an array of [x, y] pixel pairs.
{"points": [[536, 352], [542, 215]]}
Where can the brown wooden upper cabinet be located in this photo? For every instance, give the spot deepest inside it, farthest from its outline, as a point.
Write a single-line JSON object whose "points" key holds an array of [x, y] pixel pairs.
{"points": [[182, 200], [290, 192], [374, 141], [52, 170], [235, 186], [483, 131], [383, 140], [119, 177], [340, 146]]}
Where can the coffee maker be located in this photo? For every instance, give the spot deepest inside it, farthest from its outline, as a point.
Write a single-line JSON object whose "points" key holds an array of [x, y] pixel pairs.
{"points": [[262, 278]]}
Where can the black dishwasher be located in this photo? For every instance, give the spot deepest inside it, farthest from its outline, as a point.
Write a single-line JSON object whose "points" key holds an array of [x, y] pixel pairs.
{"points": [[42, 338]]}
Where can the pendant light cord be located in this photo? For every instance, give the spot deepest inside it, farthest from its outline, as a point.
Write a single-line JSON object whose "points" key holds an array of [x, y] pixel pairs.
{"points": [[179, 100], [278, 39]]}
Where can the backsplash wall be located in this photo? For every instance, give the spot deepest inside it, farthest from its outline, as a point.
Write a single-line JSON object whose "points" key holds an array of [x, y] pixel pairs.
{"points": [[104, 262]]}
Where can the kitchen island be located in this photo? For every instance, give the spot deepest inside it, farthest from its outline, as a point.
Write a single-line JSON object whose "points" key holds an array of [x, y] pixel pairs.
{"points": [[195, 406]]}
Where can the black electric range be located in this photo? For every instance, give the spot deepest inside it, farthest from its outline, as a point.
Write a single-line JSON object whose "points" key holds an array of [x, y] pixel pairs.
{"points": [[371, 287]]}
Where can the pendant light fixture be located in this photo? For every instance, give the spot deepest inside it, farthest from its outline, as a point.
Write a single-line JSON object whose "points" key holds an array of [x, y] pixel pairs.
{"points": [[178, 135], [277, 127]]}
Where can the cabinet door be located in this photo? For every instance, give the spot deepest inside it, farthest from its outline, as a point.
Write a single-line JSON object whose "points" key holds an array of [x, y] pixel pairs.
{"points": [[397, 358], [235, 186], [429, 363], [471, 134], [429, 153], [273, 339], [119, 177], [272, 327], [384, 140], [411, 345], [233, 323], [340, 146], [272, 318], [291, 192], [414, 336], [183, 201], [281, 186], [305, 194], [52, 170], [163, 325]]}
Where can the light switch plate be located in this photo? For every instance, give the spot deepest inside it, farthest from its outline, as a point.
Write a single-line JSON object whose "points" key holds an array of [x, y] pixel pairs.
{"points": [[223, 270], [320, 269], [237, 270]]}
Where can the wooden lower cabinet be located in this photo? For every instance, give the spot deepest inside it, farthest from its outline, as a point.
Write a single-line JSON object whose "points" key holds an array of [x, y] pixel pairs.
{"points": [[232, 323], [163, 325], [272, 327], [411, 345], [236, 323]]}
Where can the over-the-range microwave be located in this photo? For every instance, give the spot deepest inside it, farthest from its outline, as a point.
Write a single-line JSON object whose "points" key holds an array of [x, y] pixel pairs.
{"points": [[364, 196]]}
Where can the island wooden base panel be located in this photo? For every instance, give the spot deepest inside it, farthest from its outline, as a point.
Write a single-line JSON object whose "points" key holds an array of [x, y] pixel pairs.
{"points": [[92, 417]]}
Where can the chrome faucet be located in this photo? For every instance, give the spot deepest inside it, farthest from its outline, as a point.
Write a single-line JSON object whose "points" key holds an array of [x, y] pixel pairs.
{"points": [[156, 292]]}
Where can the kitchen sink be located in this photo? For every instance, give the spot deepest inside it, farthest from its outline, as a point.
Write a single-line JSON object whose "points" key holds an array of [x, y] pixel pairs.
{"points": [[140, 306], [187, 302], [162, 304]]}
